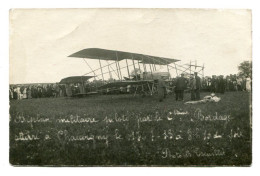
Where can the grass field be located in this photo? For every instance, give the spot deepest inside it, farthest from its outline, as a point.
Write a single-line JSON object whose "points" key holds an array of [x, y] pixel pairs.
{"points": [[125, 130]]}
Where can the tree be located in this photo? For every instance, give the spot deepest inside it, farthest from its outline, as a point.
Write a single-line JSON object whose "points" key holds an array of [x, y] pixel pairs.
{"points": [[245, 69]]}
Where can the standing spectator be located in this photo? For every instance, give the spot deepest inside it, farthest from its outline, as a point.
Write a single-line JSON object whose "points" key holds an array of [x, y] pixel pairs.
{"points": [[198, 86], [68, 90], [192, 87], [213, 84], [64, 94], [217, 84], [29, 92], [44, 91], [208, 84], [39, 92], [15, 93], [25, 93], [57, 90], [11, 95], [21, 92], [53, 91], [34, 92], [203, 84], [221, 84], [180, 87], [243, 83], [49, 90], [19, 95], [239, 83], [161, 89], [227, 80], [248, 84]]}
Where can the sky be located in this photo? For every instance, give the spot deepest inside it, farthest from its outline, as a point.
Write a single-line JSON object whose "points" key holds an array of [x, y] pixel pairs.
{"points": [[42, 39]]}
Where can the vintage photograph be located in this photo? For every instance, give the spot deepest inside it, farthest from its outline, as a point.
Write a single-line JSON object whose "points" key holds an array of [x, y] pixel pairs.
{"points": [[130, 87]]}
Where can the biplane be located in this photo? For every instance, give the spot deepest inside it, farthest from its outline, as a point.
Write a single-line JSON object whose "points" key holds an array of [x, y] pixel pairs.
{"points": [[127, 72]]}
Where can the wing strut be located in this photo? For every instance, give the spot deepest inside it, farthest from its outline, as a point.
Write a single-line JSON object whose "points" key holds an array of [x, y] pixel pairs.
{"points": [[90, 69], [134, 66], [127, 68], [113, 70], [118, 67], [101, 70]]}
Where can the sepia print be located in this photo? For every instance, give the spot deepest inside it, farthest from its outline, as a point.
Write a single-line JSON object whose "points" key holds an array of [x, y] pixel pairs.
{"points": [[130, 87]]}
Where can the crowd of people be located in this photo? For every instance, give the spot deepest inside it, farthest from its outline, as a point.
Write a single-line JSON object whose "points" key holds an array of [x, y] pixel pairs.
{"points": [[194, 84], [35, 91], [28, 91], [220, 84], [215, 84]]}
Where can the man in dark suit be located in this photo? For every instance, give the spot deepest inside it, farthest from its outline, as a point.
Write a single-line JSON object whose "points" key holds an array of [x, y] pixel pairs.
{"points": [[180, 87], [161, 88], [221, 84], [198, 86]]}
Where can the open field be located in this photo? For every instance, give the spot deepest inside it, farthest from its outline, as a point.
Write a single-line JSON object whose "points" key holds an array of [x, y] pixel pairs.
{"points": [[126, 130]]}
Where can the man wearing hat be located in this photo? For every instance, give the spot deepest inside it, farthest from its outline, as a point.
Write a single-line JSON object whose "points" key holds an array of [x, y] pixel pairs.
{"points": [[180, 87]]}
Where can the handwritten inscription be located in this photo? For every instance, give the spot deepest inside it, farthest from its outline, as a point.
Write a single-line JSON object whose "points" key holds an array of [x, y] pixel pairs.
{"points": [[65, 135], [215, 117], [116, 119], [21, 118], [158, 128], [196, 152], [77, 119], [26, 137]]}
